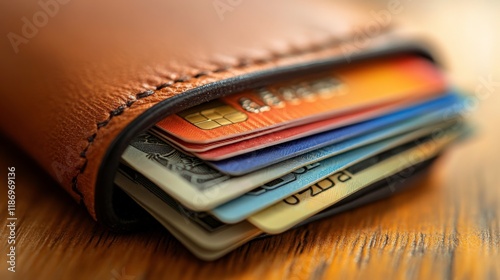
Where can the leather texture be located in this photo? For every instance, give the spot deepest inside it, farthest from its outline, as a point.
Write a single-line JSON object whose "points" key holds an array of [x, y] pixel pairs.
{"points": [[77, 79]]}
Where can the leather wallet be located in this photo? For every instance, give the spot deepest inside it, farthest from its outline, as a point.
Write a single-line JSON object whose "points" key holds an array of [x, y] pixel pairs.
{"points": [[81, 78]]}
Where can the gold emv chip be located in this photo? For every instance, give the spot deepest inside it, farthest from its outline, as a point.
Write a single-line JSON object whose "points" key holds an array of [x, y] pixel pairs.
{"points": [[212, 115]]}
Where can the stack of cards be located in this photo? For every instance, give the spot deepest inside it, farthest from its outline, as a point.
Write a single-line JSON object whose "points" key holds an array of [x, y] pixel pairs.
{"points": [[263, 161]]}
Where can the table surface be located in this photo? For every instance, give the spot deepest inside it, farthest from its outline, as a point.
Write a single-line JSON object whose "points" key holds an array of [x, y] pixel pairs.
{"points": [[448, 226]]}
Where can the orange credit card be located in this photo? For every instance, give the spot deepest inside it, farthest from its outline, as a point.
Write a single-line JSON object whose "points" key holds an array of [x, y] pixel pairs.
{"points": [[353, 87], [280, 134]]}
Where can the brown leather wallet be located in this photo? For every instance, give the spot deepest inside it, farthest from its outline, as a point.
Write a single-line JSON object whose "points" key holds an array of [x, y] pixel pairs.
{"points": [[81, 78]]}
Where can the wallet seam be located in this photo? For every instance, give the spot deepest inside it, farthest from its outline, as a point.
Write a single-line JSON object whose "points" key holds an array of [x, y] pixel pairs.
{"points": [[242, 63]]}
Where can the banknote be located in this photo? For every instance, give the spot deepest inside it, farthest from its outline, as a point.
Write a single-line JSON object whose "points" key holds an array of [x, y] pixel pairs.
{"points": [[201, 252], [201, 228], [202, 234], [323, 194], [169, 214], [345, 89]]}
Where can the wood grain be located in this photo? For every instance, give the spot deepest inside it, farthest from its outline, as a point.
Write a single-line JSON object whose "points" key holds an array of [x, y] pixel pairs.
{"points": [[447, 227]]}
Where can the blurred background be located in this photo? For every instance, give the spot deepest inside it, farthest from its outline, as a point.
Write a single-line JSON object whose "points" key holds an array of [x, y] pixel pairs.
{"points": [[63, 240], [464, 32]]}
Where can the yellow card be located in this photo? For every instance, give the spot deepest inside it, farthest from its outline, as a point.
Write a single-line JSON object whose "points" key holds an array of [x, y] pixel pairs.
{"points": [[306, 203]]}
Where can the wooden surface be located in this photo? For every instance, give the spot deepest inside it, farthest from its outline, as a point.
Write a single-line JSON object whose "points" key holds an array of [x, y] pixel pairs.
{"points": [[448, 227]]}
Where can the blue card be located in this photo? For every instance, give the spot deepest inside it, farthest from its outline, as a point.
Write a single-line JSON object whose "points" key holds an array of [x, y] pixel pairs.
{"points": [[249, 162], [241, 207]]}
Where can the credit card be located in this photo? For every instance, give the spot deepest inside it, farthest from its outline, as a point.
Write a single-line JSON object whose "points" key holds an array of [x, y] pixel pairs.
{"points": [[382, 189], [252, 161], [276, 135], [311, 129], [346, 89], [200, 187], [315, 198], [266, 195]]}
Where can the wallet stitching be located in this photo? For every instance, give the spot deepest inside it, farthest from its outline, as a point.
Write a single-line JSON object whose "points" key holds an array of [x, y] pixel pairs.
{"points": [[113, 113], [242, 62]]}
